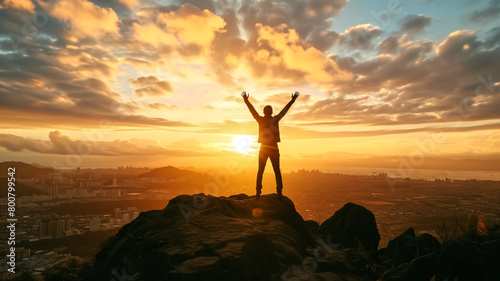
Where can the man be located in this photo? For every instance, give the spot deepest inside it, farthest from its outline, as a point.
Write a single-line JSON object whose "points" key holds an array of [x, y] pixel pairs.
{"points": [[269, 136]]}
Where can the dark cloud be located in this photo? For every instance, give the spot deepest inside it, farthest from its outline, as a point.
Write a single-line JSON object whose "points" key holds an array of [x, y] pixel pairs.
{"points": [[492, 11], [30, 31], [414, 23], [151, 86], [390, 45], [60, 144], [324, 39], [54, 93], [311, 18], [118, 6], [493, 38], [419, 83], [360, 37]]}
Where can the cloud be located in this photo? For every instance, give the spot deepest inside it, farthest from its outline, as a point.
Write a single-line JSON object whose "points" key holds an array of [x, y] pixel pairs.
{"points": [[303, 131], [86, 18], [75, 69], [151, 86], [283, 98], [310, 18], [188, 25], [39, 90], [130, 3], [458, 45], [390, 45], [486, 14], [191, 25], [418, 82], [26, 5], [161, 106], [60, 144], [282, 52], [493, 38], [360, 36], [414, 23]]}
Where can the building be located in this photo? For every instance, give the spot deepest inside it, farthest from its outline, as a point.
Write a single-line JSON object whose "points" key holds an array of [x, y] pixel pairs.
{"points": [[54, 228], [95, 224]]}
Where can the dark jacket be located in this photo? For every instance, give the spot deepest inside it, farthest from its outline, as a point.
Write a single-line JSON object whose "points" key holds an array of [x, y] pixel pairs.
{"points": [[269, 130]]}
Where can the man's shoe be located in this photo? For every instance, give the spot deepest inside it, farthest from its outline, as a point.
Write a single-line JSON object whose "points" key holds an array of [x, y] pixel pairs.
{"points": [[257, 195]]}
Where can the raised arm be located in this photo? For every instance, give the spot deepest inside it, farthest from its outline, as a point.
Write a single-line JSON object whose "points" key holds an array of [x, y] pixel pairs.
{"points": [[249, 105], [287, 106]]}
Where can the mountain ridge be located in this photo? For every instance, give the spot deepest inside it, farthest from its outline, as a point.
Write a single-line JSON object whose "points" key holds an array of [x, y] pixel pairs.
{"points": [[168, 172], [24, 170]]}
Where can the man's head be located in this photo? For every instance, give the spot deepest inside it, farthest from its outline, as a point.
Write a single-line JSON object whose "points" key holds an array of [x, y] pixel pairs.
{"points": [[268, 110]]}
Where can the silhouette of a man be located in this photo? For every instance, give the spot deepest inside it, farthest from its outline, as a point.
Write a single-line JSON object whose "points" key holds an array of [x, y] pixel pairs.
{"points": [[269, 136]]}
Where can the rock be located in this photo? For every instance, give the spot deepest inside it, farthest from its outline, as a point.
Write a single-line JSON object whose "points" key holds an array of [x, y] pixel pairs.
{"points": [[407, 246], [351, 226], [420, 269], [312, 226], [455, 260], [468, 260], [208, 238], [348, 264]]}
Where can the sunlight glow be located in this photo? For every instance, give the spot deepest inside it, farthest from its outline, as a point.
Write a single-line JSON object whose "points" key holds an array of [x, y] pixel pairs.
{"points": [[243, 144]]}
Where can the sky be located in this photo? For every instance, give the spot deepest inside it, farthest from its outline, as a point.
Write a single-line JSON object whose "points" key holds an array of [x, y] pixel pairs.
{"points": [[391, 84]]}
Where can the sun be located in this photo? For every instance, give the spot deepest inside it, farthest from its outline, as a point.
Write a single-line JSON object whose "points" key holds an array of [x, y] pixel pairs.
{"points": [[243, 144]]}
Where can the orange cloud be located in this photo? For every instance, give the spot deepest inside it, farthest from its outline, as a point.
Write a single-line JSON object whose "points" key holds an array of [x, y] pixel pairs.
{"points": [[288, 50], [18, 4], [60, 144], [85, 17], [151, 86], [186, 26], [193, 26], [152, 34], [130, 3]]}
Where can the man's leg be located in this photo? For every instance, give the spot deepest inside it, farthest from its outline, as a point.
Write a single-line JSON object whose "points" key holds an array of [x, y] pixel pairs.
{"points": [[260, 173], [275, 160]]}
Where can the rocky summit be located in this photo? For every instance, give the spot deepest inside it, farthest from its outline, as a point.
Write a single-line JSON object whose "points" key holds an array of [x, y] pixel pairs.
{"points": [[198, 237]]}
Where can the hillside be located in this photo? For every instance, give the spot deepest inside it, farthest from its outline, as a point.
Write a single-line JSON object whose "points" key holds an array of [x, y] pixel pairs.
{"points": [[21, 189], [23, 170], [169, 172]]}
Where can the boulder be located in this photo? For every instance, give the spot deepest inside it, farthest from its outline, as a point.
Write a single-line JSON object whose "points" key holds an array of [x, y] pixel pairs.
{"points": [[407, 246], [312, 226], [208, 238], [468, 260], [455, 260], [420, 269], [351, 226]]}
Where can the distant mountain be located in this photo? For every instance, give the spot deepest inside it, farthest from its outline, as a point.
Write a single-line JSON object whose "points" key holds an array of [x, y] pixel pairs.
{"points": [[23, 170], [21, 189], [169, 172]]}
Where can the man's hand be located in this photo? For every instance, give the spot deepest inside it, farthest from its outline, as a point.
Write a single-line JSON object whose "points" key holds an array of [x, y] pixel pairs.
{"points": [[295, 95], [245, 95]]}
